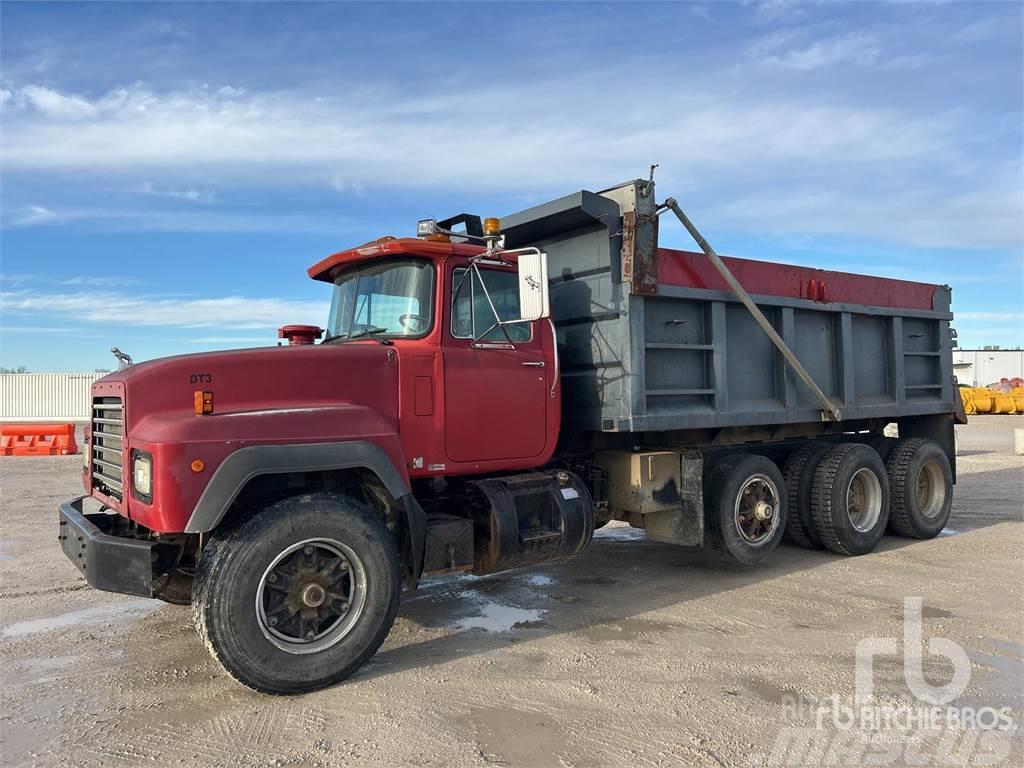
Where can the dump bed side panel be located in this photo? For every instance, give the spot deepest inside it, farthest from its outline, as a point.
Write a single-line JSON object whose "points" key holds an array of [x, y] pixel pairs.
{"points": [[682, 353]]}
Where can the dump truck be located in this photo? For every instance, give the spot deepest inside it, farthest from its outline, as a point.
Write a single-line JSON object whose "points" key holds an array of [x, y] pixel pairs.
{"points": [[487, 394]]}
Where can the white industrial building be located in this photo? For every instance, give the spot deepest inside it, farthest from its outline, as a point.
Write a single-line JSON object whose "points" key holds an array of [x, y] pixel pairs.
{"points": [[981, 367], [46, 396]]}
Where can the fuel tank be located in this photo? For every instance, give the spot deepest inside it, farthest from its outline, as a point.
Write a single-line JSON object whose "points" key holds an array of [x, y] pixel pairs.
{"points": [[529, 518]]}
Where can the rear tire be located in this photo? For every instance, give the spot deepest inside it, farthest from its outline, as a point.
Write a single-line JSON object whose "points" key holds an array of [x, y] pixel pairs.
{"points": [[799, 474], [883, 445], [922, 488], [298, 596], [746, 506], [850, 499]]}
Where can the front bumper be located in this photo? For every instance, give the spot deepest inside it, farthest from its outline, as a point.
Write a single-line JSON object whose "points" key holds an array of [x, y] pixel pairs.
{"points": [[108, 562]]}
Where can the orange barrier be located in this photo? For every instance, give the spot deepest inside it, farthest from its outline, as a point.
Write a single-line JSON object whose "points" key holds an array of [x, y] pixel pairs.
{"points": [[37, 439]]}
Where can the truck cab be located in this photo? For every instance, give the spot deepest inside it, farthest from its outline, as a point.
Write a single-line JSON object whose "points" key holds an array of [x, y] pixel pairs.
{"points": [[451, 313]]}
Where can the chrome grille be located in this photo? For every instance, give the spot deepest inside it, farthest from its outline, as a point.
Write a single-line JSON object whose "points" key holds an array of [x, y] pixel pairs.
{"points": [[106, 446]]}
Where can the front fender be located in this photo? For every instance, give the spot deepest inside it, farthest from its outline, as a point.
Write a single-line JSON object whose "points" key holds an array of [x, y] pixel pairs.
{"points": [[246, 463]]}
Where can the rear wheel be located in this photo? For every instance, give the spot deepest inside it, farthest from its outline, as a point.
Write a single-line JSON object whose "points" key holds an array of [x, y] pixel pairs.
{"points": [[850, 499], [922, 488], [746, 506], [883, 445], [298, 596], [799, 474]]}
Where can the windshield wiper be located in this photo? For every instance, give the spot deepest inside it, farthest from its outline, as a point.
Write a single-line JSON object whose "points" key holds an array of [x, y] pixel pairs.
{"points": [[371, 330]]}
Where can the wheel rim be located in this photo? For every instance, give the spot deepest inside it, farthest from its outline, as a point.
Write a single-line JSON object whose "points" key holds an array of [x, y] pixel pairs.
{"points": [[756, 512], [864, 500], [931, 490], [311, 595]]}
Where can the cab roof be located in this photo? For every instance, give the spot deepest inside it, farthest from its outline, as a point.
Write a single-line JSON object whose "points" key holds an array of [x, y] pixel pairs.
{"points": [[327, 269]]}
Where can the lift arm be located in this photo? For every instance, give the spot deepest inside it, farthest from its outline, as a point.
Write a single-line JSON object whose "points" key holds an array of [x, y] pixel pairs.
{"points": [[829, 409]]}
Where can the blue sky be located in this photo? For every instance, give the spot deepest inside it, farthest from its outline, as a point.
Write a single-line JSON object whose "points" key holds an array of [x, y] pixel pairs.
{"points": [[170, 170]]}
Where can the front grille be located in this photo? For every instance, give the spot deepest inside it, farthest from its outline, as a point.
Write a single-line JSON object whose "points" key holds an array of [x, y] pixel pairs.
{"points": [[107, 446]]}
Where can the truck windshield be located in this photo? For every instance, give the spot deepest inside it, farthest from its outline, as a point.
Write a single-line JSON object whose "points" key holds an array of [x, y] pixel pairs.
{"points": [[392, 298]]}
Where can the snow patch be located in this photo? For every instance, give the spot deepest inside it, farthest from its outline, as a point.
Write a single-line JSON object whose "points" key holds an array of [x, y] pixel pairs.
{"points": [[620, 533], [497, 617], [540, 581]]}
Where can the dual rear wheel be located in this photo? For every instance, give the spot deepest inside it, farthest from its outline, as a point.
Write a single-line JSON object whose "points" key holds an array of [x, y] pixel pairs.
{"points": [[840, 497]]}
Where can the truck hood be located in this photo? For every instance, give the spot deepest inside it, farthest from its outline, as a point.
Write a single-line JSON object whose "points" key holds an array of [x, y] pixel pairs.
{"points": [[265, 381]]}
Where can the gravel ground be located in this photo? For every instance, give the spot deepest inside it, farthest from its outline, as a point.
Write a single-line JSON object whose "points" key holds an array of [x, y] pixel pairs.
{"points": [[634, 654]]}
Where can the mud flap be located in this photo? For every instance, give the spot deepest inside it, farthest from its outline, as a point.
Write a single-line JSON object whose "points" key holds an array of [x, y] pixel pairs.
{"points": [[684, 525]]}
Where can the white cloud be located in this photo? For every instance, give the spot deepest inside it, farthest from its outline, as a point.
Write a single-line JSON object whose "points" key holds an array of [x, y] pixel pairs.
{"points": [[270, 339], [35, 216], [992, 317], [401, 141], [854, 48], [726, 145], [54, 104], [109, 308], [99, 281], [979, 31], [191, 194]]}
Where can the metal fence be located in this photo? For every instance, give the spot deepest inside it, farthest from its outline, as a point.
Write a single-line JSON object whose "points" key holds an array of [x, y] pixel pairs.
{"points": [[45, 396]]}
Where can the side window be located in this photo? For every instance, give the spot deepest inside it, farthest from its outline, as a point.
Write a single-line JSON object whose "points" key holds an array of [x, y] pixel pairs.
{"points": [[471, 312]]}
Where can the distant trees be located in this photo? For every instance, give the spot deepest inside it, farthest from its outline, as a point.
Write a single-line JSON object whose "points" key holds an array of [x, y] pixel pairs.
{"points": [[19, 369]]}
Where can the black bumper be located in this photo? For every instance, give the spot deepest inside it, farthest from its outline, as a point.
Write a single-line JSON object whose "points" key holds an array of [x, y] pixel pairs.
{"points": [[108, 562]]}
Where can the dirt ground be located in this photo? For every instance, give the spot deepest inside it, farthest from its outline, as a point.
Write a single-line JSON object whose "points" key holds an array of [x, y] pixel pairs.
{"points": [[634, 654]]}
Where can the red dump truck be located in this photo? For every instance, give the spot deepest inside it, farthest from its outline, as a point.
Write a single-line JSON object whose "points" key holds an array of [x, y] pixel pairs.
{"points": [[487, 394]]}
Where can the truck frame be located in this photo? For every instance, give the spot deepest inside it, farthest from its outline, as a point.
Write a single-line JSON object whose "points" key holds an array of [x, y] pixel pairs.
{"points": [[487, 395]]}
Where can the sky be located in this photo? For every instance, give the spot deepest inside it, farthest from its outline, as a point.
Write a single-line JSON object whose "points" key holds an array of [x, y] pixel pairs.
{"points": [[169, 171]]}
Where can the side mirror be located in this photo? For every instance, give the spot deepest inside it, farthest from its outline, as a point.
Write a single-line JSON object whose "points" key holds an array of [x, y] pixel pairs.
{"points": [[533, 286]]}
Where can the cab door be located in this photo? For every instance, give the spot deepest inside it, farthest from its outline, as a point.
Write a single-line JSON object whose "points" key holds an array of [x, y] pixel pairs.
{"points": [[496, 386]]}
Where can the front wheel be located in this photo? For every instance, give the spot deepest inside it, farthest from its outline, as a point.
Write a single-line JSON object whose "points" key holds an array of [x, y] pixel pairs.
{"points": [[298, 596]]}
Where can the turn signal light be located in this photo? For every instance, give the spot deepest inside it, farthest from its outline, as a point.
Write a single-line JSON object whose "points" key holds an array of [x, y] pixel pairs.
{"points": [[492, 227], [204, 402]]}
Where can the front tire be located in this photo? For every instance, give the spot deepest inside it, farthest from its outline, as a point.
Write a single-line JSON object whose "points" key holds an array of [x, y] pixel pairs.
{"points": [[299, 595]]}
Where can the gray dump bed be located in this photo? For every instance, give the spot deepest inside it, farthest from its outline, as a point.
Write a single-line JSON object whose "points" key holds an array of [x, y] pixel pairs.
{"points": [[641, 356]]}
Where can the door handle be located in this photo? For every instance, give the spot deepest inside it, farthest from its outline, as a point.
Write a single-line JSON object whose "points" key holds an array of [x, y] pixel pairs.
{"points": [[539, 364]]}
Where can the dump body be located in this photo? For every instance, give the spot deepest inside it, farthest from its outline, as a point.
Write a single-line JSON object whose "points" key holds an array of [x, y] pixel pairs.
{"points": [[651, 339]]}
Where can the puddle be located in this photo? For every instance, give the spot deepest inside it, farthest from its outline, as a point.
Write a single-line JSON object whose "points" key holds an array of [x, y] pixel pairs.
{"points": [[948, 532], [102, 614], [769, 691], [597, 581], [540, 581], [620, 533], [501, 736], [493, 616], [625, 630]]}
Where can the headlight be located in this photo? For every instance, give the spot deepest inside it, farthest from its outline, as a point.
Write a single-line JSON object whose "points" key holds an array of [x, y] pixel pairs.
{"points": [[142, 474]]}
